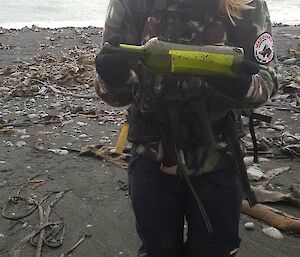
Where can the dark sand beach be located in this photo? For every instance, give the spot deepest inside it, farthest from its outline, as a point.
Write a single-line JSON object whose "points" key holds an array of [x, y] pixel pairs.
{"points": [[48, 127]]}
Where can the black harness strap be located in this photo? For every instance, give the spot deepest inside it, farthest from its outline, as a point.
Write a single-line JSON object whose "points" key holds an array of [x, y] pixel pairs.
{"points": [[234, 142], [253, 137]]}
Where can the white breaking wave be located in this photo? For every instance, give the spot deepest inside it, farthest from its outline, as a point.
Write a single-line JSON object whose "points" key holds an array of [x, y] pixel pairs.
{"points": [[52, 24]]}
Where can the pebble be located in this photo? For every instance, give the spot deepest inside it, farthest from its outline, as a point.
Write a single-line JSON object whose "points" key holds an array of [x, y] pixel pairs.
{"points": [[32, 116], [279, 77], [55, 105], [16, 74], [291, 61], [254, 173], [270, 130], [249, 225], [80, 123], [1, 235], [59, 151], [83, 136], [297, 79], [279, 127], [20, 112], [2, 89], [9, 143], [24, 136], [273, 232], [20, 131], [21, 143]]}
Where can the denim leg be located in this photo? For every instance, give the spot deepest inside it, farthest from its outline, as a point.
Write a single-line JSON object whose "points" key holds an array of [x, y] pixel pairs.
{"points": [[221, 195], [158, 204]]}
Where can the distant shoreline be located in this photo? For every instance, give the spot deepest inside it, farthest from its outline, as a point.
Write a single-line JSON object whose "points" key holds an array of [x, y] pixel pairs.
{"points": [[275, 24]]}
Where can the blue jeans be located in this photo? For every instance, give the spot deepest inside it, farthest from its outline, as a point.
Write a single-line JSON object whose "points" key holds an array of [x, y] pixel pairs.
{"points": [[161, 202]]}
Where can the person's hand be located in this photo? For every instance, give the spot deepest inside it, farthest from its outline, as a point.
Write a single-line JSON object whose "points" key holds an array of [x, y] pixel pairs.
{"points": [[113, 68], [238, 87]]}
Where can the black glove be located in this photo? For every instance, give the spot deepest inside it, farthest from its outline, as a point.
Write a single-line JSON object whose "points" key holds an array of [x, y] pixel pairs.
{"points": [[113, 68], [238, 87]]}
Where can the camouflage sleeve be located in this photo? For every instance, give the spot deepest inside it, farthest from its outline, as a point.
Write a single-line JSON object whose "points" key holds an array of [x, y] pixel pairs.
{"points": [[254, 33], [119, 21]]}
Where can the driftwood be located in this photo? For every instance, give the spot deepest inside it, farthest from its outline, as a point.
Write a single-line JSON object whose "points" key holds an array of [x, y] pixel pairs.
{"points": [[266, 196], [271, 174], [57, 91], [67, 253], [18, 247], [104, 153], [272, 217], [44, 222]]}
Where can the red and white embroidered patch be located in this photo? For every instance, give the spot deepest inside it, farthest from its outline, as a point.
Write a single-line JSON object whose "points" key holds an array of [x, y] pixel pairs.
{"points": [[264, 48]]}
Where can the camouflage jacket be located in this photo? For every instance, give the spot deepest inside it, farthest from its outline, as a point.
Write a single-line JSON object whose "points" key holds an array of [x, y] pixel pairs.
{"points": [[194, 22]]}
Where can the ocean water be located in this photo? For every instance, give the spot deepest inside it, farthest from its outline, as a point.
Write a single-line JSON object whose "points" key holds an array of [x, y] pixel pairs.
{"points": [[83, 13]]}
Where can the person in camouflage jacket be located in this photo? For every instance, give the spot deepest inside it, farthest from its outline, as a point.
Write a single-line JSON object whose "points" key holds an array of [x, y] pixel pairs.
{"points": [[161, 199]]}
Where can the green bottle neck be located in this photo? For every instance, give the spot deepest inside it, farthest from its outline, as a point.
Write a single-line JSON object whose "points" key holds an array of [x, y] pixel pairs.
{"points": [[131, 50]]}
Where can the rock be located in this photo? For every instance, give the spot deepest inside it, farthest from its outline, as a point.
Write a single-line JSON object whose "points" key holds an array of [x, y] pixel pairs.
{"points": [[16, 74], [55, 105], [21, 143], [3, 89], [291, 61], [279, 77], [279, 127], [297, 79], [270, 130], [79, 123], [273, 232], [249, 225], [35, 28], [254, 173], [9, 143], [83, 136], [1, 235], [20, 131], [249, 160], [32, 116], [59, 151]]}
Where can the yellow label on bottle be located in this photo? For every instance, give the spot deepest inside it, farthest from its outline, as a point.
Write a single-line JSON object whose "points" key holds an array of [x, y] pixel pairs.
{"points": [[201, 63]]}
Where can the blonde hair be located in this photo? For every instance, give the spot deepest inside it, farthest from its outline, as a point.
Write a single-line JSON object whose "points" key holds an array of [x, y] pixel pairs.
{"points": [[234, 8]]}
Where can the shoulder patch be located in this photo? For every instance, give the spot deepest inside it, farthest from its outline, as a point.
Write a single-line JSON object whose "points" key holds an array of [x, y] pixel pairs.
{"points": [[264, 48]]}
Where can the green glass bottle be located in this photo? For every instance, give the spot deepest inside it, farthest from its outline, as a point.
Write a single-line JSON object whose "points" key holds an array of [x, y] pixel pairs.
{"points": [[165, 57]]}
